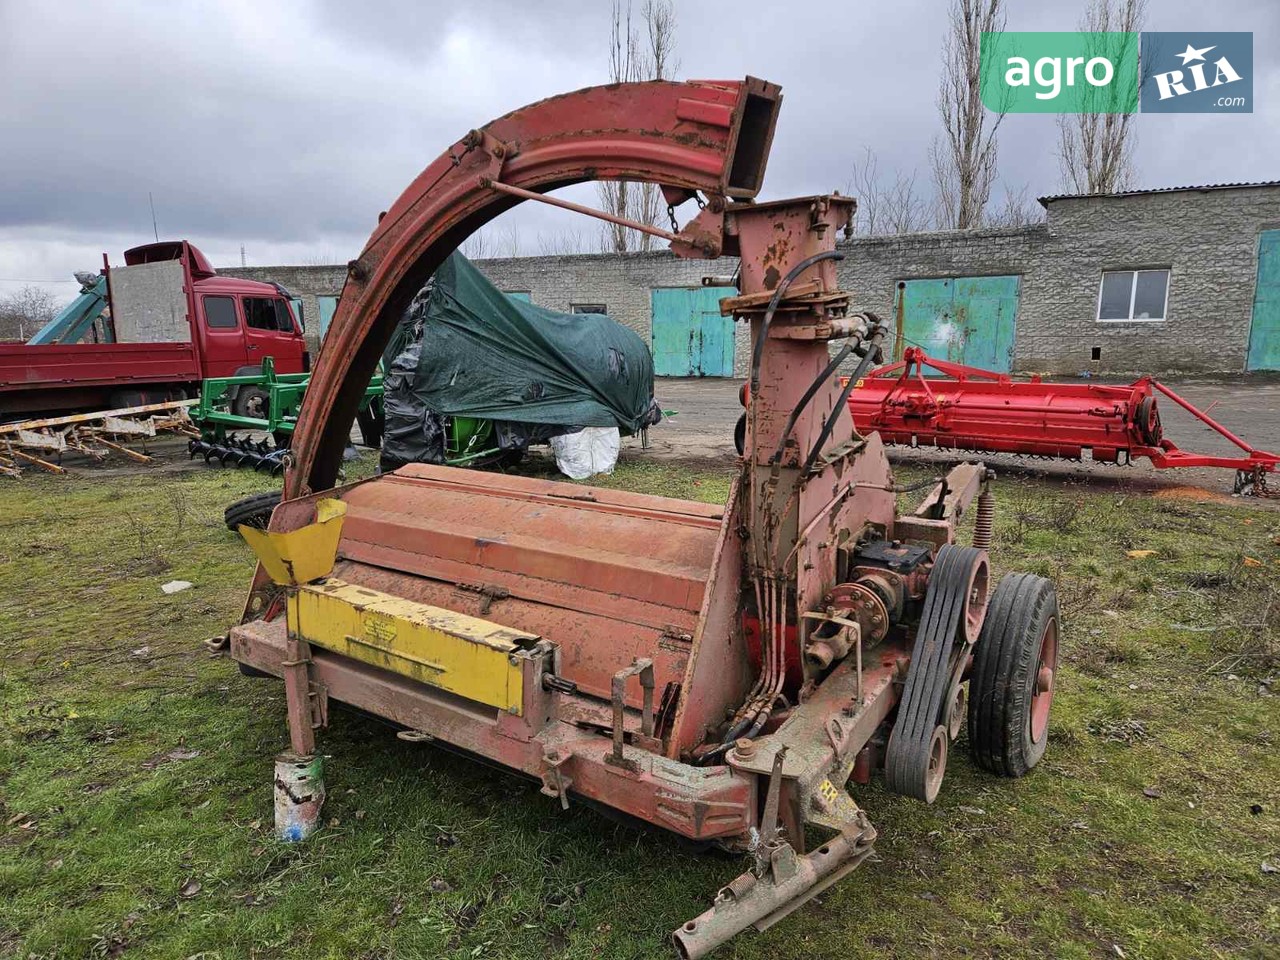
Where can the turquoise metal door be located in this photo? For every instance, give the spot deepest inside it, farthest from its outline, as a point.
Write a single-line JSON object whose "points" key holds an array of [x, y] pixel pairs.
{"points": [[966, 320], [926, 319], [1264, 331], [690, 338], [327, 306]]}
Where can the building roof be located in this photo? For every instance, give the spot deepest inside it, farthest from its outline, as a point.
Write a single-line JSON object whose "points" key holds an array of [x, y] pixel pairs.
{"points": [[1045, 201]]}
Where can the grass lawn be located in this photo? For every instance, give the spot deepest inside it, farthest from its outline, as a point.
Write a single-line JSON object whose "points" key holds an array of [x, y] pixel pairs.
{"points": [[135, 767]]}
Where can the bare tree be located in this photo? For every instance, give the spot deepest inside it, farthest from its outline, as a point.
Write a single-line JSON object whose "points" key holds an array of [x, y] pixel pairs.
{"points": [[1095, 150], [25, 312], [644, 52], [510, 240], [560, 243], [479, 246], [963, 158], [1018, 209], [893, 206]]}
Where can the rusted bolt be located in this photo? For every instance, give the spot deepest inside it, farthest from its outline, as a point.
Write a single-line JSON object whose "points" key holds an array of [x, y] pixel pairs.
{"points": [[514, 661], [744, 749], [356, 271]]}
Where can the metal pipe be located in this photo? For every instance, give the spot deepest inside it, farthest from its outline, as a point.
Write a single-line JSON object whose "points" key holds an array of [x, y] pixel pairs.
{"points": [[524, 194], [1203, 417]]}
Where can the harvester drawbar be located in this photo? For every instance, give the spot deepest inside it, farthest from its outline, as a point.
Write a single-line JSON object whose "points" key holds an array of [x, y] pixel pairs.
{"points": [[722, 672]]}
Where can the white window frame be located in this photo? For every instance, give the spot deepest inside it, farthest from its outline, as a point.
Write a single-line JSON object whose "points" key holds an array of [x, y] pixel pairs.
{"points": [[1133, 293]]}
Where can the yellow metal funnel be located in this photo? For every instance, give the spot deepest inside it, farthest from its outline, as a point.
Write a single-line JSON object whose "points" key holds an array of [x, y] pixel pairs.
{"points": [[295, 557]]}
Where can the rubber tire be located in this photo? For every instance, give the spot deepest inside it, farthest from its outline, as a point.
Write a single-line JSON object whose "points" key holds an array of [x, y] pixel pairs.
{"points": [[245, 399], [254, 511], [740, 435], [1004, 675]]}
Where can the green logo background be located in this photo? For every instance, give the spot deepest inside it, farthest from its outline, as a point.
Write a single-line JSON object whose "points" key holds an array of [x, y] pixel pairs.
{"points": [[1046, 55]]}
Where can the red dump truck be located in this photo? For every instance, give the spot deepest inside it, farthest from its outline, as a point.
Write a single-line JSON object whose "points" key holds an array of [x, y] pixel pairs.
{"points": [[172, 322]]}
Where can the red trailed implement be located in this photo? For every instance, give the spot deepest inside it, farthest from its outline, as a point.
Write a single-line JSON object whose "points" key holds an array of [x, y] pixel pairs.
{"points": [[973, 409]]}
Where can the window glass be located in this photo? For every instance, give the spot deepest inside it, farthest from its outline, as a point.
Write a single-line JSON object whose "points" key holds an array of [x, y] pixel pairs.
{"points": [[220, 313], [1149, 297], [265, 313], [1117, 294], [284, 322], [588, 308]]}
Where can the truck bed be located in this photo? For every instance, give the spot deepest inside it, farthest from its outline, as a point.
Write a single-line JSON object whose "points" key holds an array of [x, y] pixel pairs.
{"points": [[55, 376], [57, 365]]}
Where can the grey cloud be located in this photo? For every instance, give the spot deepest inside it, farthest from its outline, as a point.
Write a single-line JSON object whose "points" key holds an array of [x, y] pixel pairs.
{"points": [[287, 127]]}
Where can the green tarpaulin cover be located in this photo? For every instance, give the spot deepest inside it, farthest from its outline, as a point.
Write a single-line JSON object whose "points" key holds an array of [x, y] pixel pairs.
{"points": [[484, 354], [469, 350]]}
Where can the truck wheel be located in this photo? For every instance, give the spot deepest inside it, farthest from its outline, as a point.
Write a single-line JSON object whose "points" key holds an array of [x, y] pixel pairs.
{"points": [[254, 511], [251, 401], [1011, 689], [740, 435]]}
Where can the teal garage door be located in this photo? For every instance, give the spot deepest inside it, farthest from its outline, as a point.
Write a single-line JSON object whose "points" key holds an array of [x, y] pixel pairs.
{"points": [[327, 306], [1264, 332], [690, 338], [966, 320]]}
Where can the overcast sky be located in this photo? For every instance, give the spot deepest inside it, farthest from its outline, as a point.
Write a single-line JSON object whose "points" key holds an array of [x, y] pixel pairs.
{"points": [[286, 126]]}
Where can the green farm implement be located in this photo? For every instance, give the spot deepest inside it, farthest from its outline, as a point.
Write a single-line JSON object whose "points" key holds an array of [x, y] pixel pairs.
{"points": [[248, 421]]}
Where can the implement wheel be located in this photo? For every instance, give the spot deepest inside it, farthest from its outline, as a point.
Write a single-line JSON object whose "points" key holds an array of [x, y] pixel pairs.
{"points": [[1014, 665]]}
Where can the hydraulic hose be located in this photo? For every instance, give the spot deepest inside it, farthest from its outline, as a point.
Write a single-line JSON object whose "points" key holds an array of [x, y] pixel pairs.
{"points": [[873, 347], [818, 381], [757, 351]]}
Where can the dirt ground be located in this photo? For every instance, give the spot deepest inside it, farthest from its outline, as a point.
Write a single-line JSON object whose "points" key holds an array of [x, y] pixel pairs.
{"points": [[702, 413]]}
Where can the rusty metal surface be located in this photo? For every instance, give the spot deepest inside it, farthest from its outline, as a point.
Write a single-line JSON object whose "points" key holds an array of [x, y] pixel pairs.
{"points": [[605, 575], [712, 136], [699, 803], [720, 670]]}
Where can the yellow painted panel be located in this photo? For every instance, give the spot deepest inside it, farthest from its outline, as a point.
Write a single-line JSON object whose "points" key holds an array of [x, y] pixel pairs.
{"points": [[300, 556], [455, 652]]}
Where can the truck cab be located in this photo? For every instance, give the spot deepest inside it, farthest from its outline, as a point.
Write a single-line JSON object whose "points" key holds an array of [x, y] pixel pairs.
{"points": [[235, 323], [165, 321]]}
